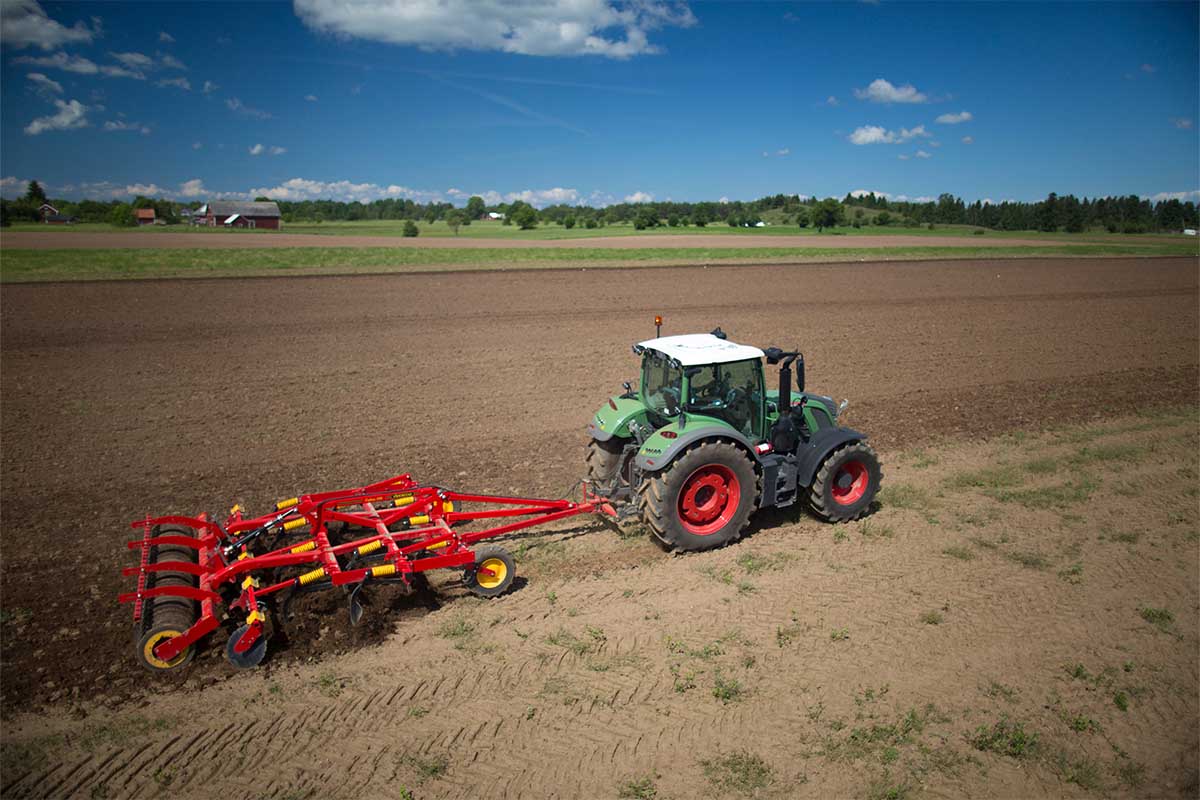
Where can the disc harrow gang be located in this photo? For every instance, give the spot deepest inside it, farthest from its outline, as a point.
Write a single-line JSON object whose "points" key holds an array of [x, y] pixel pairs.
{"points": [[196, 574]]}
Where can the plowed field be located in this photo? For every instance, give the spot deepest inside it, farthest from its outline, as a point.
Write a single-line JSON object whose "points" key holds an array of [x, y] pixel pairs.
{"points": [[804, 660]]}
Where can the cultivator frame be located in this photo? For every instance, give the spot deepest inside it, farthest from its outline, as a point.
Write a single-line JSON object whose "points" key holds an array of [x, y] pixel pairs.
{"points": [[409, 528]]}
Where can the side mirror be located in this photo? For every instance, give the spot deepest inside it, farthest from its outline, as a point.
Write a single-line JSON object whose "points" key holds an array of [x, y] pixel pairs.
{"points": [[800, 373], [773, 355]]}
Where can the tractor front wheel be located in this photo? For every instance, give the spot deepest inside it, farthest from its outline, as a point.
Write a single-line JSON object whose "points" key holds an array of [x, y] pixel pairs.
{"points": [[846, 483], [703, 499]]}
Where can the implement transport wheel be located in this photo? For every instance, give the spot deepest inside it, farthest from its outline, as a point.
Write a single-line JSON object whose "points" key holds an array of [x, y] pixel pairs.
{"points": [[703, 499], [250, 658], [846, 483], [501, 569], [165, 622], [605, 469]]}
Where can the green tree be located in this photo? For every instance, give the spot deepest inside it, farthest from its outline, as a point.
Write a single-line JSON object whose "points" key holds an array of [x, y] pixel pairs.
{"points": [[122, 216], [455, 219], [35, 194], [475, 207], [410, 229], [261, 199], [568, 222], [525, 217], [883, 218], [826, 214]]}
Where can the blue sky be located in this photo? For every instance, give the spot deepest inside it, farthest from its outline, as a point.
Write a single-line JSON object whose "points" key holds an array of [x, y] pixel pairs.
{"points": [[598, 102]]}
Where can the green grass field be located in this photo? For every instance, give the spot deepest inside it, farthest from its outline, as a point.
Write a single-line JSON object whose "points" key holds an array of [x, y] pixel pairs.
{"points": [[23, 265], [551, 232]]}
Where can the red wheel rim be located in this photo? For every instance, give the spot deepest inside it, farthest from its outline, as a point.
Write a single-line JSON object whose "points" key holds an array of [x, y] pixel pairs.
{"points": [[850, 483], [709, 499]]}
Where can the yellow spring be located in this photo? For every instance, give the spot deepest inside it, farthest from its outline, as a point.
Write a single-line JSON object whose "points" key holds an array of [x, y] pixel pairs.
{"points": [[402, 499], [282, 504], [419, 519], [448, 506], [438, 545], [385, 569], [309, 577], [304, 548], [370, 547], [296, 523]]}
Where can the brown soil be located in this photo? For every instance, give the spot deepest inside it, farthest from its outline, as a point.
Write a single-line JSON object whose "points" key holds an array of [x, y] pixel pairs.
{"points": [[133, 239], [120, 399]]}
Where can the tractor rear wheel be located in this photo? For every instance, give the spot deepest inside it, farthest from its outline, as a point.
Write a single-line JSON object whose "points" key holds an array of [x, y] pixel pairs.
{"points": [[703, 499], [604, 463], [846, 483]]}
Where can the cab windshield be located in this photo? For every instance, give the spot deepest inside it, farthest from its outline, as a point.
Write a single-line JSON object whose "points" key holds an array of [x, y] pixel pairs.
{"points": [[661, 385]]}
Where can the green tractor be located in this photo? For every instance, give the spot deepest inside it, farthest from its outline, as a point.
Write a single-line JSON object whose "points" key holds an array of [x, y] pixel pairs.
{"points": [[702, 444]]}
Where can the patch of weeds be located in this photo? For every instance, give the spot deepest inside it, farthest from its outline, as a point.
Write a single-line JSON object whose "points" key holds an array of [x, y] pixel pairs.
{"points": [[1072, 574], [1081, 724], [1130, 773], [1127, 537], [932, 617], [961, 553], [164, 777], [726, 689], [1041, 466], [274, 689], [1121, 701], [839, 535], [1052, 497], [426, 767], [921, 459], [1160, 618], [551, 597], [1128, 666], [614, 662], [416, 712], [30, 755], [996, 689], [1028, 559], [755, 563], [705, 653], [990, 478], [720, 576], [638, 789], [984, 543], [902, 495], [1102, 453], [746, 587], [979, 519], [627, 593], [455, 629], [1006, 738], [1082, 772], [742, 773], [886, 789], [570, 642], [684, 680], [405, 794], [872, 529], [839, 634], [329, 684]]}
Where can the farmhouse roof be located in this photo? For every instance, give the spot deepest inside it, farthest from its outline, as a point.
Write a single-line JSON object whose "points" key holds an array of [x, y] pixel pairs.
{"points": [[225, 208], [145, 213]]}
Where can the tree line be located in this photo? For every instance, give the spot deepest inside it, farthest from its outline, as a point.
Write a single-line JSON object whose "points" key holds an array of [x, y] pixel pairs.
{"points": [[1129, 214]]}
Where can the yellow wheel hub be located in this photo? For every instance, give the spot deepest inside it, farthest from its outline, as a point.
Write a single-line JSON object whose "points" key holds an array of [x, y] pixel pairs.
{"points": [[499, 572], [154, 641]]}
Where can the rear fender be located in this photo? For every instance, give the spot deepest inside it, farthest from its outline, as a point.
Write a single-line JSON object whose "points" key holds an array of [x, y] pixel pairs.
{"points": [[614, 417], [811, 454], [658, 451]]}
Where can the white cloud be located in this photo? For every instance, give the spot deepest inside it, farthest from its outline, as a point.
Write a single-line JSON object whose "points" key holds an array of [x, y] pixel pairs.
{"points": [[883, 91], [527, 27], [923, 154], [899, 198], [23, 24], [876, 134], [646, 197], [122, 125], [145, 189], [43, 85], [968, 140], [1149, 69], [831, 101], [210, 87], [197, 145], [165, 37], [134, 60], [259, 149], [256, 150], [71, 114], [80, 66], [904, 156], [170, 62], [312, 98], [781, 153], [13, 187], [239, 107], [192, 188], [955, 119], [1182, 196], [277, 151], [1183, 123], [544, 197], [182, 83]]}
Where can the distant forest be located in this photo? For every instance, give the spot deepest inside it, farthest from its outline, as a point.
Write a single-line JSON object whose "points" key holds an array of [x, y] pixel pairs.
{"points": [[1130, 214]]}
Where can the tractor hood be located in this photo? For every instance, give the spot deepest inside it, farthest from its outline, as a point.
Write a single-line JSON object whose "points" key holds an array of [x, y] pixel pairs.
{"points": [[614, 417]]}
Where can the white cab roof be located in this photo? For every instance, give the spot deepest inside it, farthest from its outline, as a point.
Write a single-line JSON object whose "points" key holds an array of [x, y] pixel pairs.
{"points": [[694, 349]]}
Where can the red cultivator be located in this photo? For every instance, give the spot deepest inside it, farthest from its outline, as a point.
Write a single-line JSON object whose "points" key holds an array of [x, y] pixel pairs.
{"points": [[195, 573]]}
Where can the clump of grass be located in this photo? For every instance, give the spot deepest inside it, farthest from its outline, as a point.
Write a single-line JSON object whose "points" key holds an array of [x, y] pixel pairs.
{"points": [[997, 689], [426, 767], [1121, 701], [873, 529], [902, 495], [1072, 574], [984, 543], [1048, 497], [784, 635], [416, 712], [1130, 773], [726, 689], [705, 653], [741, 772], [959, 552], [932, 617], [638, 789], [329, 684], [1028, 559], [456, 629], [989, 478], [839, 634], [885, 789], [1082, 772], [1041, 466], [754, 563], [1127, 537], [1160, 618], [1006, 738], [570, 642]]}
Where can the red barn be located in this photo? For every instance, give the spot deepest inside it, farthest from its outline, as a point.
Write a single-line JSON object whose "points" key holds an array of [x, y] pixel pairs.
{"points": [[235, 214], [145, 216]]}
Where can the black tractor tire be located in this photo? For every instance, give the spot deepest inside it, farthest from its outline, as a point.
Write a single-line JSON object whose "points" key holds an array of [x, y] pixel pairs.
{"points": [[172, 553], [701, 500], [604, 462], [846, 483]]}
